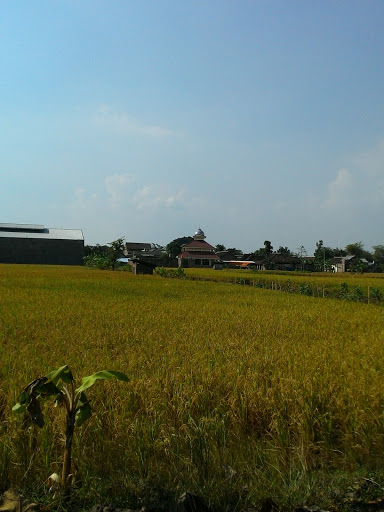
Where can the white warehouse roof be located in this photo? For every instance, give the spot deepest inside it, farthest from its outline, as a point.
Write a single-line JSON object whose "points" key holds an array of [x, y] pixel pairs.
{"points": [[39, 231]]}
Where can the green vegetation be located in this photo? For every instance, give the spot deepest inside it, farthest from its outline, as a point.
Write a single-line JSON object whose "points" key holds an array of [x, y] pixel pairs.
{"points": [[60, 384], [370, 287], [104, 257], [236, 393]]}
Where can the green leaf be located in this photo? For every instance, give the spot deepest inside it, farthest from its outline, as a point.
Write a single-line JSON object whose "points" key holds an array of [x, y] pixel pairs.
{"points": [[46, 389], [38, 388], [19, 408], [84, 410], [34, 411], [59, 399], [89, 381], [23, 398], [63, 373]]}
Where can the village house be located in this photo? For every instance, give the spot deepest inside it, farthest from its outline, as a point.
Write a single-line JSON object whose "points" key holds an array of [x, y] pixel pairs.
{"points": [[345, 263]]}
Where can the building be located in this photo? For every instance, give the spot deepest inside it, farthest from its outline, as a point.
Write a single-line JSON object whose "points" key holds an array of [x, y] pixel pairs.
{"points": [[140, 266], [198, 253], [34, 243], [152, 254], [143, 250], [346, 263], [275, 261], [134, 248]]}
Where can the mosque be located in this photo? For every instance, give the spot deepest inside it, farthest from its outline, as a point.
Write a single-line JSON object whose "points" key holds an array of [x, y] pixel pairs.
{"points": [[198, 253]]}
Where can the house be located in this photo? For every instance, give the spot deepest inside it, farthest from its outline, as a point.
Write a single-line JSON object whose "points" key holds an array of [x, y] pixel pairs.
{"points": [[151, 253], [339, 263], [198, 253], [133, 247], [34, 243], [346, 263], [276, 261]]}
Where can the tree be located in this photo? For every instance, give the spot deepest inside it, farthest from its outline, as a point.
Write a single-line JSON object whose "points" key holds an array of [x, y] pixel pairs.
{"points": [[284, 250], [115, 251], [357, 266], [259, 253], [268, 248], [322, 256], [301, 252], [378, 253], [95, 250], [356, 249], [220, 247], [174, 247], [234, 253]]}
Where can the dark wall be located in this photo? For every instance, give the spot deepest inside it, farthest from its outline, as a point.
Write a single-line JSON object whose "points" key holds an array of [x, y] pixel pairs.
{"points": [[139, 268], [41, 251]]}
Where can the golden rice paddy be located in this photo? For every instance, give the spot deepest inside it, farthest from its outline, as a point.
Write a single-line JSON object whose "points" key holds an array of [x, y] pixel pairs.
{"points": [[235, 393]]}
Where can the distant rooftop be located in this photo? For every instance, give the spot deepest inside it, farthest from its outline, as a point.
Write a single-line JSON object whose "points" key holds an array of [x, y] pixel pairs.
{"points": [[137, 246]]}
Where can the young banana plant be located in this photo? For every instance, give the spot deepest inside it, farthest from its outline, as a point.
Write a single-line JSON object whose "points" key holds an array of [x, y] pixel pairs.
{"points": [[60, 384]]}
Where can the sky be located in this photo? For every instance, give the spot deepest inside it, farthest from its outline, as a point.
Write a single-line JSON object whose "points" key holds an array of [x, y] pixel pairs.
{"points": [[146, 119]]}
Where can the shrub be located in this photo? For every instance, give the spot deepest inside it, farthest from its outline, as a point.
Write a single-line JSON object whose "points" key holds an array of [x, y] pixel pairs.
{"points": [[376, 294], [305, 289], [357, 294], [344, 291]]}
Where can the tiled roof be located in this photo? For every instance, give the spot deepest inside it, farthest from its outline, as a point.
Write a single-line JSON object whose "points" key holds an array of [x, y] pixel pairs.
{"points": [[198, 244]]}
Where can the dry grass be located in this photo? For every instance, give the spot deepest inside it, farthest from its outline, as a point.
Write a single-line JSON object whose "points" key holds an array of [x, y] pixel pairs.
{"points": [[236, 393]]}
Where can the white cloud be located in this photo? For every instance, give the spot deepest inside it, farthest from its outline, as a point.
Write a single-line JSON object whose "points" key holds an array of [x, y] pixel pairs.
{"points": [[117, 188], [122, 191], [361, 184], [174, 200], [125, 124], [339, 190], [370, 162], [158, 196], [83, 200]]}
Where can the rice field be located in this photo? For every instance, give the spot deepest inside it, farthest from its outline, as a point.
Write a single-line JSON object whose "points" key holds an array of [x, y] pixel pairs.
{"points": [[236, 393], [367, 288]]}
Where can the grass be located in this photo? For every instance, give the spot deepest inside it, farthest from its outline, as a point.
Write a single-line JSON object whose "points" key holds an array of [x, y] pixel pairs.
{"points": [[236, 393]]}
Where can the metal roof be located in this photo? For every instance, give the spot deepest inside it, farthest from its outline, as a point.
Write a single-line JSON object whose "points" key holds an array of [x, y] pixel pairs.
{"points": [[46, 233], [21, 227], [137, 246]]}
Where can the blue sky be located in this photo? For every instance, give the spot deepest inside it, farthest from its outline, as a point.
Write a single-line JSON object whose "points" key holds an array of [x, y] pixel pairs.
{"points": [[147, 119]]}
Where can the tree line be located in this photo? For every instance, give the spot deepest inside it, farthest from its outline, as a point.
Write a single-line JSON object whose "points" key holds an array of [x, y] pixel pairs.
{"points": [[106, 256]]}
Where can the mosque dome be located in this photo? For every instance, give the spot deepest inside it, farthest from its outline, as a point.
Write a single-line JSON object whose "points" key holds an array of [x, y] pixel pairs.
{"points": [[199, 235]]}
